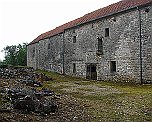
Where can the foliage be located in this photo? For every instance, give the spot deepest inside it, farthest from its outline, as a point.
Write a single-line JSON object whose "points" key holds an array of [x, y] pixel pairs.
{"points": [[15, 55]]}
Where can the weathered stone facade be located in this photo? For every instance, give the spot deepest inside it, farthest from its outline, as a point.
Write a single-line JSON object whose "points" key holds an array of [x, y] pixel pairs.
{"points": [[47, 54], [77, 52]]}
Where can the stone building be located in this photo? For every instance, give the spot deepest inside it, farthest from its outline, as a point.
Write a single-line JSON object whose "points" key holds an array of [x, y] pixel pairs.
{"points": [[111, 43]]}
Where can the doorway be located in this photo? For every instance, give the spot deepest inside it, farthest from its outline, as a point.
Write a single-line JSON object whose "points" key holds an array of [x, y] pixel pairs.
{"points": [[91, 71]]}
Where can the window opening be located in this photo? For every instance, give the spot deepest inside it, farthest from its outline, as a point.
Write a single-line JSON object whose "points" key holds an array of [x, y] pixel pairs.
{"points": [[147, 10], [100, 46], [33, 53], [114, 19], [73, 31], [49, 46], [107, 32], [113, 66], [74, 68], [74, 39]]}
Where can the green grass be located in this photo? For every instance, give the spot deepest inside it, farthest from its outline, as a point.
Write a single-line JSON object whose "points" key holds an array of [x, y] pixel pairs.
{"points": [[132, 103], [122, 107], [81, 82], [85, 89], [59, 78], [22, 67]]}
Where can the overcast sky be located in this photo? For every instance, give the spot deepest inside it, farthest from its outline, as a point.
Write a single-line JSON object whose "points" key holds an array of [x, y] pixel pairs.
{"points": [[23, 20]]}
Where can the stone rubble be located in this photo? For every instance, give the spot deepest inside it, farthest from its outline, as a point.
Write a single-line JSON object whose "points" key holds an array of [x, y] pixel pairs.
{"points": [[24, 96], [22, 101]]}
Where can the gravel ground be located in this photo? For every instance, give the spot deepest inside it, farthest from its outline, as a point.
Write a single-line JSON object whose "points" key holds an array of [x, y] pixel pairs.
{"points": [[87, 101], [69, 109]]}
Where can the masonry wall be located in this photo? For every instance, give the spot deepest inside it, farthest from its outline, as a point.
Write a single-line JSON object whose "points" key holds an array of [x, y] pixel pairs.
{"points": [[47, 54], [50, 51], [147, 44], [121, 46], [32, 55]]}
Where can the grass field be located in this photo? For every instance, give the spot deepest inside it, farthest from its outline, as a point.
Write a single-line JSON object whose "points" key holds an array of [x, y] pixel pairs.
{"points": [[106, 101]]}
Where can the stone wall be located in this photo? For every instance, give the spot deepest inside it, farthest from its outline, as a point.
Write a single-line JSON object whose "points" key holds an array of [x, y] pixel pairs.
{"points": [[147, 43], [31, 55], [122, 47], [47, 54]]}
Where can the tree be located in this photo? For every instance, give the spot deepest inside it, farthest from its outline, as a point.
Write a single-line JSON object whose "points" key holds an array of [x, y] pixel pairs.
{"points": [[21, 54], [15, 55], [1, 62]]}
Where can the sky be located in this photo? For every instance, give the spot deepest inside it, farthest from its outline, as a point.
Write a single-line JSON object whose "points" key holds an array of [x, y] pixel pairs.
{"points": [[21, 21]]}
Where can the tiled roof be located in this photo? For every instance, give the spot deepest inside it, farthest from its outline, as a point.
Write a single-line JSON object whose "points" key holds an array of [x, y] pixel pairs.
{"points": [[109, 10]]}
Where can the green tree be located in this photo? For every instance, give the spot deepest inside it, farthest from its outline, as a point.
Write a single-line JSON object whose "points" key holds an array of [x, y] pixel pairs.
{"points": [[21, 54], [1, 62], [15, 55]]}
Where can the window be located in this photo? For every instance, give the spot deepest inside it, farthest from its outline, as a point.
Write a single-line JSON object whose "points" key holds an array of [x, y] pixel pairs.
{"points": [[74, 39], [113, 66], [114, 19], [107, 32], [74, 68], [49, 46], [33, 53], [100, 46], [147, 10], [73, 31]]}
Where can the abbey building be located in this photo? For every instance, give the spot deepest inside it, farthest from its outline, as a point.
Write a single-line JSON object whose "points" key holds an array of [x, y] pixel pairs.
{"points": [[111, 43]]}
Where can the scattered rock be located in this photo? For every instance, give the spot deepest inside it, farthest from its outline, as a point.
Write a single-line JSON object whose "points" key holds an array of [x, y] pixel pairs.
{"points": [[26, 104], [22, 101]]}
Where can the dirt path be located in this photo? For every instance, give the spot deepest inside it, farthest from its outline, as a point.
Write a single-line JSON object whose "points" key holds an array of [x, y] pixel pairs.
{"points": [[86, 88]]}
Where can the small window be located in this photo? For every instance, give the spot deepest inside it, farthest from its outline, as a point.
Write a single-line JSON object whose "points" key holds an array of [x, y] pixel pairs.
{"points": [[107, 32], [113, 66], [49, 46], [74, 68], [73, 31], [100, 46], [114, 19], [147, 10], [74, 39], [92, 25], [33, 53]]}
